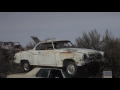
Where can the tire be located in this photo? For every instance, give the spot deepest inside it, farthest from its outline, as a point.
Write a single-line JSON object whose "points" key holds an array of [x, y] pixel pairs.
{"points": [[26, 66], [71, 68]]}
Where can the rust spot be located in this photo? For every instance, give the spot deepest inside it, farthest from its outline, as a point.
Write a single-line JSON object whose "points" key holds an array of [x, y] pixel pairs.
{"points": [[76, 62], [66, 55]]}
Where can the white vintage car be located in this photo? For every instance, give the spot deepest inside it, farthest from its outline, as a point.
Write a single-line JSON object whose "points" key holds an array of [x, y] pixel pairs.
{"points": [[57, 53], [40, 72]]}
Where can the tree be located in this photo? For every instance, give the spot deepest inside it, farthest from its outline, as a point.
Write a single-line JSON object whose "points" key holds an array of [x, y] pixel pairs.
{"points": [[111, 47], [50, 38], [30, 45], [107, 43], [89, 40]]}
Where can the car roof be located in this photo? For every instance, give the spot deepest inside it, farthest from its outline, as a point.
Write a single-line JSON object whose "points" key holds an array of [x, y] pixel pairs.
{"points": [[48, 41]]}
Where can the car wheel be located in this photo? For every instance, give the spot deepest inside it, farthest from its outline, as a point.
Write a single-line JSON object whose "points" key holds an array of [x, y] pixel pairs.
{"points": [[71, 68], [26, 66]]}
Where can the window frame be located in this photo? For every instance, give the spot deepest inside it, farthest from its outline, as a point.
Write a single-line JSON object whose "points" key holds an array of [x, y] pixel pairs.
{"points": [[45, 45]]}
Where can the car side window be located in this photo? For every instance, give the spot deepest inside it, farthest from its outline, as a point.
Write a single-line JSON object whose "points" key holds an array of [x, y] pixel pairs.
{"points": [[49, 46], [44, 46], [55, 74], [43, 73], [40, 47]]}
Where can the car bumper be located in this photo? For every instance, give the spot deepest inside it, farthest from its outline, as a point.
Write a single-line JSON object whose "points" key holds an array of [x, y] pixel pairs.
{"points": [[84, 62]]}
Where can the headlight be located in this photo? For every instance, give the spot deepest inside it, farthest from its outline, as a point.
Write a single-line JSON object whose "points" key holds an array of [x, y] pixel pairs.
{"points": [[84, 56]]}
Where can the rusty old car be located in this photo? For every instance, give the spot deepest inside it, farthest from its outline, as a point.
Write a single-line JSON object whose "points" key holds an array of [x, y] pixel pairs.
{"points": [[57, 53], [42, 72]]}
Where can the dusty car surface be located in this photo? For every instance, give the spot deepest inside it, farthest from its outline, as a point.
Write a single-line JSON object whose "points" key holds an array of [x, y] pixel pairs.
{"points": [[40, 72], [57, 53]]}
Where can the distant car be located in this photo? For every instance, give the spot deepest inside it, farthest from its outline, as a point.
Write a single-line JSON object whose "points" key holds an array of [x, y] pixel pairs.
{"points": [[57, 53], [10, 46], [40, 72]]}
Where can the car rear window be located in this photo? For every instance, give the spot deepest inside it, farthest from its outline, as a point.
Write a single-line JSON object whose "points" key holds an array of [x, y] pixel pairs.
{"points": [[43, 73]]}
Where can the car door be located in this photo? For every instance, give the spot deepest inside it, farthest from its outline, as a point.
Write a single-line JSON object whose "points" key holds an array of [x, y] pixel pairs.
{"points": [[46, 55]]}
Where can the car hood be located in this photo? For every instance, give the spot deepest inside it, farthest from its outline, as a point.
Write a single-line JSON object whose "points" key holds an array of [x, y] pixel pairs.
{"points": [[79, 50]]}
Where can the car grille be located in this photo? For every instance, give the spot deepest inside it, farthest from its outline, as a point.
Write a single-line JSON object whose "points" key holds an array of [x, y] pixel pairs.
{"points": [[95, 56]]}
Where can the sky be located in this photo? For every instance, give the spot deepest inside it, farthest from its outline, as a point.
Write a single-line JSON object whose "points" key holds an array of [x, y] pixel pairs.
{"points": [[20, 26]]}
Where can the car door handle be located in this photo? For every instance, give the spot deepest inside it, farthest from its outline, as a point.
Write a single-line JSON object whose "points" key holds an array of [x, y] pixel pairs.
{"points": [[38, 52]]}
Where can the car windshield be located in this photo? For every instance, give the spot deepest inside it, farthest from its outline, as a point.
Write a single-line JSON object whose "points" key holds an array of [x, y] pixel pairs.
{"points": [[63, 44]]}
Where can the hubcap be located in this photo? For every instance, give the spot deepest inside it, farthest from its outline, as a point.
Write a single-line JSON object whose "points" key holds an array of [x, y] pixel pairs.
{"points": [[71, 69], [26, 67]]}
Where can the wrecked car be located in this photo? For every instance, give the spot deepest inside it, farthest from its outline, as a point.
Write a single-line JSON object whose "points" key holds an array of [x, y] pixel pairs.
{"points": [[40, 72], [10, 46], [8, 49], [57, 53]]}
